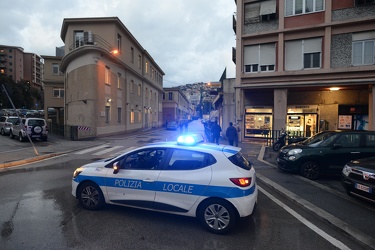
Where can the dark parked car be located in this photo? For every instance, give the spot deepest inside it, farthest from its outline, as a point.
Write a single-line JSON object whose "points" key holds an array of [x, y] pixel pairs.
{"points": [[358, 178], [326, 152], [172, 125]]}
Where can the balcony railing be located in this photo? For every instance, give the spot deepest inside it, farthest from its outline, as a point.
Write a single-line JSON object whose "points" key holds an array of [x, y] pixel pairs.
{"points": [[90, 39]]}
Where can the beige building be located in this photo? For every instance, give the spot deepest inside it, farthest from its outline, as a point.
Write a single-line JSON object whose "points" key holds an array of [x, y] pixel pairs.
{"points": [[176, 105], [54, 94], [304, 65], [112, 84]]}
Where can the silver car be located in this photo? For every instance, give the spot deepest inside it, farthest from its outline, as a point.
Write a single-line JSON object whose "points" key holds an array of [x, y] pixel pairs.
{"points": [[6, 123]]}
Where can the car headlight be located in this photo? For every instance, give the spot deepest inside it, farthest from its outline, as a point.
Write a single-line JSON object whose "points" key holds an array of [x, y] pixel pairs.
{"points": [[294, 151], [77, 172], [346, 170]]}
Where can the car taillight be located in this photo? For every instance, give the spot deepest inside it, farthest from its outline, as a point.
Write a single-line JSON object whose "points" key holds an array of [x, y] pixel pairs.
{"points": [[241, 182]]}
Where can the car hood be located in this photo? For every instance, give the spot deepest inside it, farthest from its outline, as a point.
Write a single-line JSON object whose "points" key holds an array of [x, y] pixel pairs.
{"points": [[365, 163], [289, 147]]}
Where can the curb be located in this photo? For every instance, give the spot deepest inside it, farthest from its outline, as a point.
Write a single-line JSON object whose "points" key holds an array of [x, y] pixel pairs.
{"points": [[30, 160]]}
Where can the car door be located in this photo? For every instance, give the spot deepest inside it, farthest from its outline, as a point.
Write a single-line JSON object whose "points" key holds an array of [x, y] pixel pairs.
{"points": [[345, 148], [186, 175], [134, 183]]}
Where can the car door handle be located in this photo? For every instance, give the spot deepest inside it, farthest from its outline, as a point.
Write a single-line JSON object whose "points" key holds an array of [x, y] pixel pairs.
{"points": [[148, 180]]}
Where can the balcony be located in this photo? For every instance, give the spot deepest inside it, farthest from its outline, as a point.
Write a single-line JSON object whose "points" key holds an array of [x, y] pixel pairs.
{"points": [[90, 39]]}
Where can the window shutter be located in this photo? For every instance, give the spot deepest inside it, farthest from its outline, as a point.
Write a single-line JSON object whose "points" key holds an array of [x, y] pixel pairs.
{"points": [[267, 54], [251, 55], [312, 45], [293, 55]]}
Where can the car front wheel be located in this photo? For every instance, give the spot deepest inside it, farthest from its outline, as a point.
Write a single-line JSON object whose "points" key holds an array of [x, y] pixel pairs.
{"points": [[310, 170], [90, 196], [217, 216], [11, 134]]}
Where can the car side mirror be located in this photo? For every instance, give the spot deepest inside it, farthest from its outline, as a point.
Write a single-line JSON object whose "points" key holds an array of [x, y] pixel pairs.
{"points": [[116, 167]]}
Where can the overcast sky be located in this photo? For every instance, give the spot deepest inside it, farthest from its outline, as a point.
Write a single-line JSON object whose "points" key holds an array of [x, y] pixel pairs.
{"points": [[191, 40]]}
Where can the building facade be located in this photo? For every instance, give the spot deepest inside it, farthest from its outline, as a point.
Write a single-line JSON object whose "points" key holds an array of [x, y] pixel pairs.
{"points": [[303, 65], [20, 65], [176, 106], [112, 84]]}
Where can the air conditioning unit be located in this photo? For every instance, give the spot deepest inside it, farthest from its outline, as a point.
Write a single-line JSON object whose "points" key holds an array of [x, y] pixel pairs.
{"points": [[88, 37]]}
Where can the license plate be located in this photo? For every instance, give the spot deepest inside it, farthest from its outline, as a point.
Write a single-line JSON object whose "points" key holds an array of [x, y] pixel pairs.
{"points": [[363, 188]]}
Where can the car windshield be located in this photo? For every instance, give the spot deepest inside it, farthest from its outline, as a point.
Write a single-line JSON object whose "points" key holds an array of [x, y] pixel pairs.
{"points": [[315, 140], [329, 140], [240, 161], [12, 120]]}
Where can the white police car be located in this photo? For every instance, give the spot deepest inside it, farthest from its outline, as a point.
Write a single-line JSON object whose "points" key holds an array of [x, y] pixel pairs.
{"points": [[214, 183]]}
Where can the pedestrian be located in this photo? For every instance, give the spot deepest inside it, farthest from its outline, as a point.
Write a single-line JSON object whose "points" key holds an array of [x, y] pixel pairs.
{"points": [[216, 129], [232, 135]]}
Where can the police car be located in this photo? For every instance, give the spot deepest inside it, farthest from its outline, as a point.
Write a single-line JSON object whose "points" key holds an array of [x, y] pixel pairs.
{"points": [[214, 183]]}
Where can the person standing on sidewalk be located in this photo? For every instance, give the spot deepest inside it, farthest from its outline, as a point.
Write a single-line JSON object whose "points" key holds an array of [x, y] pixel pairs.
{"points": [[216, 129], [232, 135]]}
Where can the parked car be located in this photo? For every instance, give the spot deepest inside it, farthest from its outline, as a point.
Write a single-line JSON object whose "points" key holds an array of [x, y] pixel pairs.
{"points": [[172, 125], [326, 153], [34, 127], [358, 178], [214, 183], [6, 123]]}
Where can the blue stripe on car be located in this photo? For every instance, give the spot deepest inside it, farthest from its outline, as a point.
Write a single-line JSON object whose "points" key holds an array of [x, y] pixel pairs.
{"points": [[171, 187]]}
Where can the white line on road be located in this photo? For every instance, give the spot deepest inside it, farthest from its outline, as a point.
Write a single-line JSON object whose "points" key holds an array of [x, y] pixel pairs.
{"points": [[91, 149], [108, 150], [317, 230]]}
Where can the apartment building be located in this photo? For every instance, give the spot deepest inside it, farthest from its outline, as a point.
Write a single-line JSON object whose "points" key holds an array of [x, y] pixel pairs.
{"points": [[304, 65], [20, 65], [112, 84]]}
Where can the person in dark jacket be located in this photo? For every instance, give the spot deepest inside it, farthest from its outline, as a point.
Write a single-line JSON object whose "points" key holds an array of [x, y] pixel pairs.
{"points": [[216, 129], [232, 135]]}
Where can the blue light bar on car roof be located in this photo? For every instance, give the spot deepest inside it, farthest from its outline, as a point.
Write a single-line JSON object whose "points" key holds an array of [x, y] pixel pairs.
{"points": [[189, 140]]}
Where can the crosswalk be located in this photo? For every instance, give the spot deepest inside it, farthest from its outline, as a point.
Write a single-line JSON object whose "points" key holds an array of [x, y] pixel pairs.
{"points": [[104, 149]]}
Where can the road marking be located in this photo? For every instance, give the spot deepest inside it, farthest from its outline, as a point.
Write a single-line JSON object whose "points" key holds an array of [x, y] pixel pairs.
{"points": [[91, 149], [123, 151], [317, 230], [108, 150]]}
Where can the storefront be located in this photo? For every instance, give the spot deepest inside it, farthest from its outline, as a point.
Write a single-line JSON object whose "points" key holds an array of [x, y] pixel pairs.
{"points": [[353, 117], [302, 120], [258, 121]]}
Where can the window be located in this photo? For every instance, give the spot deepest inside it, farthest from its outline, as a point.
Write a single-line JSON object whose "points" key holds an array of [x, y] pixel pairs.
{"points": [[139, 61], [147, 159], [132, 117], [363, 52], [118, 80], [297, 7], [119, 42], [58, 93], [119, 115], [186, 160], [146, 93], [260, 58], [146, 69], [364, 2], [55, 68], [170, 96], [139, 116], [311, 60], [131, 86], [139, 89], [78, 38], [106, 76], [303, 54], [132, 55], [107, 114]]}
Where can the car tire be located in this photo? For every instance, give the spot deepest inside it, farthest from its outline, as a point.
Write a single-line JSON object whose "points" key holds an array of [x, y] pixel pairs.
{"points": [[310, 170], [21, 138], [2, 132], [90, 196], [11, 134], [217, 216]]}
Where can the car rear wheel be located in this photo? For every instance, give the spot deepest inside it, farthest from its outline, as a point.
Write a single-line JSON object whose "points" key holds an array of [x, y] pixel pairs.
{"points": [[90, 196], [310, 170], [217, 216], [21, 138]]}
